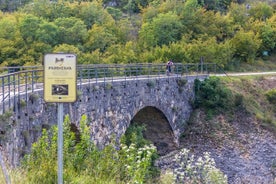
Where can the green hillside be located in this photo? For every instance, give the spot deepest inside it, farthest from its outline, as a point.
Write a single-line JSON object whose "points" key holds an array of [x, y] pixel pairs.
{"points": [[229, 33]]}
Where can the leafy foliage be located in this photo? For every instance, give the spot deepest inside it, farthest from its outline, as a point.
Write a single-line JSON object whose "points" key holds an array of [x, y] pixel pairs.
{"points": [[246, 45], [212, 94], [137, 31], [271, 96], [163, 29], [202, 170], [84, 162]]}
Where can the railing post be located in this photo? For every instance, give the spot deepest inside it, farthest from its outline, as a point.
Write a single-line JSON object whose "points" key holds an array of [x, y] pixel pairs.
{"points": [[3, 94], [125, 73], [96, 74], [89, 77], [177, 70], [80, 74], [26, 87], [18, 92], [14, 86], [136, 68], [186, 69], [9, 91], [32, 81], [104, 75]]}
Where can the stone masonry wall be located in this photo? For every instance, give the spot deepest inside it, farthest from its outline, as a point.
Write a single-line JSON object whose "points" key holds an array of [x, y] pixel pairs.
{"points": [[109, 106]]}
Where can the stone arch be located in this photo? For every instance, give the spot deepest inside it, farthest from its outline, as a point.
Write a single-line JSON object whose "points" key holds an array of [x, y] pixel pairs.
{"points": [[158, 129]]}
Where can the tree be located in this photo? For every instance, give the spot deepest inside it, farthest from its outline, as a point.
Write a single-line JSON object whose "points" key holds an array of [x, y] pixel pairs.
{"points": [[47, 33], [211, 23], [121, 54], [7, 50], [115, 13], [12, 5], [246, 45], [210, 50], [65, 48], [217, 5], [8, 27], [71, 30], [48, 10], [163, 29], [267, 34], [261, 11], [99, 38], [92, 13], [28, 27], [191, 16]]}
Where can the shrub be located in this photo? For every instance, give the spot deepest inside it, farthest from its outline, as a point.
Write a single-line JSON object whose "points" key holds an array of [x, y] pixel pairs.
{"points": [[202, 170], [151, 83], [212, 94], [84, 162], [134, 134], [271, 96], [181, 82]]}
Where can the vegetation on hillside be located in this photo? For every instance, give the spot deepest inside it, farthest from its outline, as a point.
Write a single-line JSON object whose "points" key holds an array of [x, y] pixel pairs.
{"points": [[222, 32], [248, 94], [241, 127]]}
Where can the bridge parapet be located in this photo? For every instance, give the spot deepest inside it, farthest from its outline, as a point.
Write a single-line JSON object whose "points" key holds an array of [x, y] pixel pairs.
{"points": [[17, 83], [109, 102]]}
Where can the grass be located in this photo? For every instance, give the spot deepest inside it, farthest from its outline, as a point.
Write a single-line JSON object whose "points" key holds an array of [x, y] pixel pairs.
{"points": [[259, 65], [16, 177], [252, 94]]}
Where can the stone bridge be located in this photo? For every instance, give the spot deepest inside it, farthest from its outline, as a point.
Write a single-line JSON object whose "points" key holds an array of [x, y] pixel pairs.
{"points": [[162, 103]]}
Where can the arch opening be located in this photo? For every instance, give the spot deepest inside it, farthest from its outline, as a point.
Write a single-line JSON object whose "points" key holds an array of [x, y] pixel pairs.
{"points": [[158, 129]]}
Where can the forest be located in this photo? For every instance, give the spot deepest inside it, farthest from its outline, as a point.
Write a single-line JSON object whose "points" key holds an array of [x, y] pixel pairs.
{"points": [[137, 31]]}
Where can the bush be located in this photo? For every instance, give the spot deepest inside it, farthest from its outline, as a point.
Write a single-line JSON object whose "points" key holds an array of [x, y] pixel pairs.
{"points": [[84, 162], [271, 96], [212, 94], [202, 170]]}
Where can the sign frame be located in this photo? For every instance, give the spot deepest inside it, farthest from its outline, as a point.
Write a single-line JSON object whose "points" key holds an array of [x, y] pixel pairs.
{"points": [[60, 77]]}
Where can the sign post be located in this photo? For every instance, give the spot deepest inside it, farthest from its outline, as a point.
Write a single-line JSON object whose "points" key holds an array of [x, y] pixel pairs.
{"points": [[60, 86], [60, 143]]}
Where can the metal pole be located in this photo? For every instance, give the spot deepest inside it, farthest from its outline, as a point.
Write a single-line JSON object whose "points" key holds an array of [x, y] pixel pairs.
{"points": [[60, 143]]}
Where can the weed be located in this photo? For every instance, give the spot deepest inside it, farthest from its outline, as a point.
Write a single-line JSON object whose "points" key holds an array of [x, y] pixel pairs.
{"points": [[33, 97], [108, 86], [181, 82], [174, 109], [79, 94], [22, 103], [151, 83], [96, 88]]}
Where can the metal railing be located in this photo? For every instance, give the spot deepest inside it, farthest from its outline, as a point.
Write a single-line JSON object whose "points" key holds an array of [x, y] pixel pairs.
{"points": [[17, 83]]}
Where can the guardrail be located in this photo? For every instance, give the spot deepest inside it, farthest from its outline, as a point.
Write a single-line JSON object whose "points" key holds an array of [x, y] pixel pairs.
{"points": [[17, 83]]}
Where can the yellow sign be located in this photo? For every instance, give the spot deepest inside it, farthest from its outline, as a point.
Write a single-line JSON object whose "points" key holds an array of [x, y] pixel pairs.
{"points": [[60, 75]]}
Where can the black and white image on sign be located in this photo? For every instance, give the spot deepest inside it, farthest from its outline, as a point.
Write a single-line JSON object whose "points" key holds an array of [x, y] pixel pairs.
{"points": [[58, 89]]}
